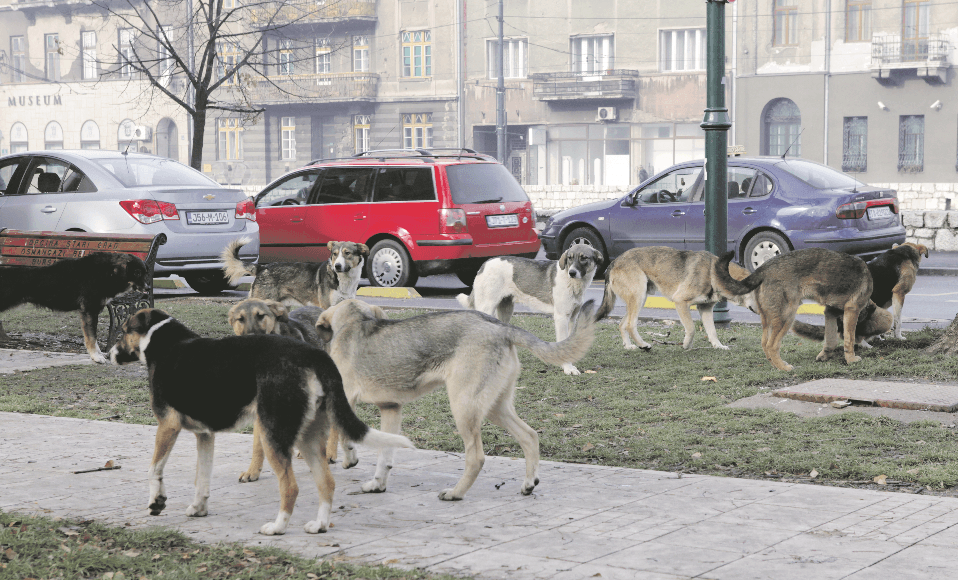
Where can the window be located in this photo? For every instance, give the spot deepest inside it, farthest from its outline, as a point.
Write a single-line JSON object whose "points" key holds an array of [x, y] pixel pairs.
{"points": [[88, 44], [18, 138], [404, 185], [18, 54], [9, 175], [784, 22], [361, 54], [682, 50], [52, 57], [125, 44], [230, 4], [781, 128], [417, 130], [89, 135], [592, 54], [915, 30], [53, 136], [590, 154], [363, 128], [48, 175], [675, 187], [322, 56], [657, 146], [288, 138], [911, 146], [515, 58], [284, 57], [858, 20], [293, 191], [164, 58], [344, 186], [229, 138], [227, 59], [417, 54], [739, 181], [854, 144]]}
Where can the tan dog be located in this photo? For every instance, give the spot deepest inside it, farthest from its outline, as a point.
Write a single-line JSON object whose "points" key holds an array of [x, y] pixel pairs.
{"points": [[873, 321], [471, 355], [683, 277], [895, 273], [832, 279]]}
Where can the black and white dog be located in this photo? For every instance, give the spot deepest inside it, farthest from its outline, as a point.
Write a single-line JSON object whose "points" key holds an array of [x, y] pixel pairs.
{"points": [[554, 287], [290, 389]]}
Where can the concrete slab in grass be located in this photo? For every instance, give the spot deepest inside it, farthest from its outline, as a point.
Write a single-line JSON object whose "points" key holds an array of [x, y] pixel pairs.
{"points": [[935, 397], [22, 360], [389, 292]]}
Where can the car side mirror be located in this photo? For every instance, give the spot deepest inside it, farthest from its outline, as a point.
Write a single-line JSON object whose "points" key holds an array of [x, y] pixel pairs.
{"points": [[632, 198]]}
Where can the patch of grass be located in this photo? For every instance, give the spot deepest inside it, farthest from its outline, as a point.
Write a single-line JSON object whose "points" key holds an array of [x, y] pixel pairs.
{"points": [[41, 548]]}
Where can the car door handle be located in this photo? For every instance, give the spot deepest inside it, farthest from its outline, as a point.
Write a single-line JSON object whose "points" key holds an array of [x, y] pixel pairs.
{"points": [[678, 213], [749, 210], [359, 217], [48, 209], [297, 219]]}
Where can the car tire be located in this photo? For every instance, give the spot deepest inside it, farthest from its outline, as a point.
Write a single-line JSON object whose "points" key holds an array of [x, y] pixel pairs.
{"points": [[389, 265], [207, 282], [763, 247], [587, 236]]}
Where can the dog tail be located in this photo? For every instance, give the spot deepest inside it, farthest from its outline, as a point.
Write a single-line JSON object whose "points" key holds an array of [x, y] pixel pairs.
{"points": [[341, 415], [730, 287], [808, 331], [234, 268], [569, 350], [609, 296], [466, 301]]}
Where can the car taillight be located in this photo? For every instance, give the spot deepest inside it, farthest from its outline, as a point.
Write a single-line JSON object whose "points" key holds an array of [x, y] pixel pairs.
{"points": [[246, 210], [150, 211], [452, 221], [858, 209]]}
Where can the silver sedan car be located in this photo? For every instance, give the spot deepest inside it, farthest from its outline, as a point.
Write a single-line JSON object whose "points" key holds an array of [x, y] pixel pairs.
{"points": [[131, 193]]}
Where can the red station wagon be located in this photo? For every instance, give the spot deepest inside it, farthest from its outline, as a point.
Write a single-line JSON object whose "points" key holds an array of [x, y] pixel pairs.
{"points": [[421, 212]]}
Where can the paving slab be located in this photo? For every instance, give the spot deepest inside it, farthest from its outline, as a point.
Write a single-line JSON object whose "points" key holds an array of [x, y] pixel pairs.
{"points": [[12, 361], [903, 395], [582, 521]]}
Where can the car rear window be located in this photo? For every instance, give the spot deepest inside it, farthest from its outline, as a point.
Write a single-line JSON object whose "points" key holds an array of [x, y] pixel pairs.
{"points": [[483, 183], [817, 175], [133, 172]]}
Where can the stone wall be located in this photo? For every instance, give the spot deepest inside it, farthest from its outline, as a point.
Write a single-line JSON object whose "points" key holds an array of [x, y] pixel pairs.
{"points": [[935, 229]]}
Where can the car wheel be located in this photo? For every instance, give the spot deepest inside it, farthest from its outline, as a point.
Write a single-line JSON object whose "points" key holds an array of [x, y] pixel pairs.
{"points": [[207, 282], [763, 247], [389, 265], [587, 236]]}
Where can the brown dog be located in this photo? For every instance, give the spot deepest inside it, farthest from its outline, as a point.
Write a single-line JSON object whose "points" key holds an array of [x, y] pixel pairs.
{"points": [[832, 279], [264, 316], [895, 273], [684, 277]]}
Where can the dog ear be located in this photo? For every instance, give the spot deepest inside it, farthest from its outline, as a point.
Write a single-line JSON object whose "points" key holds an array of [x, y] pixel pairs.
{"points": [[331, 245], [378, 312], [323, 326], [564, 259], [363, 249], [278, 309], [597, 256], [925, 251]]}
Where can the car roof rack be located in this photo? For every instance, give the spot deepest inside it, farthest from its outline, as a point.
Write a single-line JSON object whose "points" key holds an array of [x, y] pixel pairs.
{"points": [[419, 153]]}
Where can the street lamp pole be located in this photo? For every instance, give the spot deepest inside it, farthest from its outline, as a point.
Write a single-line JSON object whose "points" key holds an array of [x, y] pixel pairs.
{"points": [[716, 122], [500, 95]]}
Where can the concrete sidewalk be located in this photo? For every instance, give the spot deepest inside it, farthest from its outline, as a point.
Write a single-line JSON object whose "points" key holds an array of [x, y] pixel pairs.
{"points": [[582, 521]]}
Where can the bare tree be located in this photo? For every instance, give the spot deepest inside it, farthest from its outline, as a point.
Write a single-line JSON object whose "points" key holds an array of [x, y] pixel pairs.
{"points": [[946, 343], [211, 55]]}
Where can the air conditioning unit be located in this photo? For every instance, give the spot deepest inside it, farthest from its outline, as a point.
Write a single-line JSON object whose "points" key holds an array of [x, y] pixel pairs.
{"points": [[142, 133], [606, 114]]}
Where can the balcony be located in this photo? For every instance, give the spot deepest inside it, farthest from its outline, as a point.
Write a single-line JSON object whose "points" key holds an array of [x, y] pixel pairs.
{"points": [[315, 88], [313, 12], [927, 56], [610, 84]]}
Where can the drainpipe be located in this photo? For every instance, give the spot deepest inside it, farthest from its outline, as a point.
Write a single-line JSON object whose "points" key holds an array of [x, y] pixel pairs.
{"points": [[826, 91], [458, 71]]}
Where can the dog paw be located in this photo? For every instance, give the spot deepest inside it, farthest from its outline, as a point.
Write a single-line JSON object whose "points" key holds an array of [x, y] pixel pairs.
{"points": [[527, 487], [158, 505], [349, 463], [314, 527], [99, 358], [851, 359], [570, 370], [899, 336], [373, 486], [249, 476], [822, 356], [448, 495], [721, 347], [196, 510], [273, 529]]}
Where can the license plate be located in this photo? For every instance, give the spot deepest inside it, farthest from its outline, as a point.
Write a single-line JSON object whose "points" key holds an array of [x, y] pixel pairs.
{"points": [[878, 212], [207, 217], [502, 220]]}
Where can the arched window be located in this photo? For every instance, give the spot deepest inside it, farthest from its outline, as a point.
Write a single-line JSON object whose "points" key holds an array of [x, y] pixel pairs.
{"points": [[18, 138], [166, 136], [125, 135], [89, 135], [53, 136], [781, 127]]}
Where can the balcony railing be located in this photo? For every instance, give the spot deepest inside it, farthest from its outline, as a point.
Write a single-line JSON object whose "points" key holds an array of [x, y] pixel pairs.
{"points": [[927, 55], [609, 84], [315, 88], [313, 11]]}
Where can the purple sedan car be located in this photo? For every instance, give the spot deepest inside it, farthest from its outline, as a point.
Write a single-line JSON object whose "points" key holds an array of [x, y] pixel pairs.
{"points": [[775, 205]]}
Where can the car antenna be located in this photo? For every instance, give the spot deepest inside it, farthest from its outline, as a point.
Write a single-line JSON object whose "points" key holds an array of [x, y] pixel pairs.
{"points": [[124, 153], [784, 156]]}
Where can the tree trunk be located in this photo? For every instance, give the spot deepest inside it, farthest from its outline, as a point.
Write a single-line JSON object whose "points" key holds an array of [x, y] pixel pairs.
{"points": [[947, 342], [197, 145]]}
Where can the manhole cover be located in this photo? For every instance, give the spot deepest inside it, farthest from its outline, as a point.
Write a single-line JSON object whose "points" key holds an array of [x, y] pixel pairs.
{"points": [[936, 397]]}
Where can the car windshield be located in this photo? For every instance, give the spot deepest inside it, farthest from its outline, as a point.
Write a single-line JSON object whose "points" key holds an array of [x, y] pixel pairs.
{"points": [[818, 176], [136, 171], [483, 184]]}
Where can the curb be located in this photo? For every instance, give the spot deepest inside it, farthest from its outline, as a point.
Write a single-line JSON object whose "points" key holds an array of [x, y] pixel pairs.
{"points": [[389, 292]]}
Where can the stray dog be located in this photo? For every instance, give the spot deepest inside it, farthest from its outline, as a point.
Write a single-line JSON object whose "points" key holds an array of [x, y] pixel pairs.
{"points": [[85, 284], [321, 284], [833, 279], [555, 287], [871, 322], [472, 355], [264, 316], [894, 273], [683, 277], [292, 390]]}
